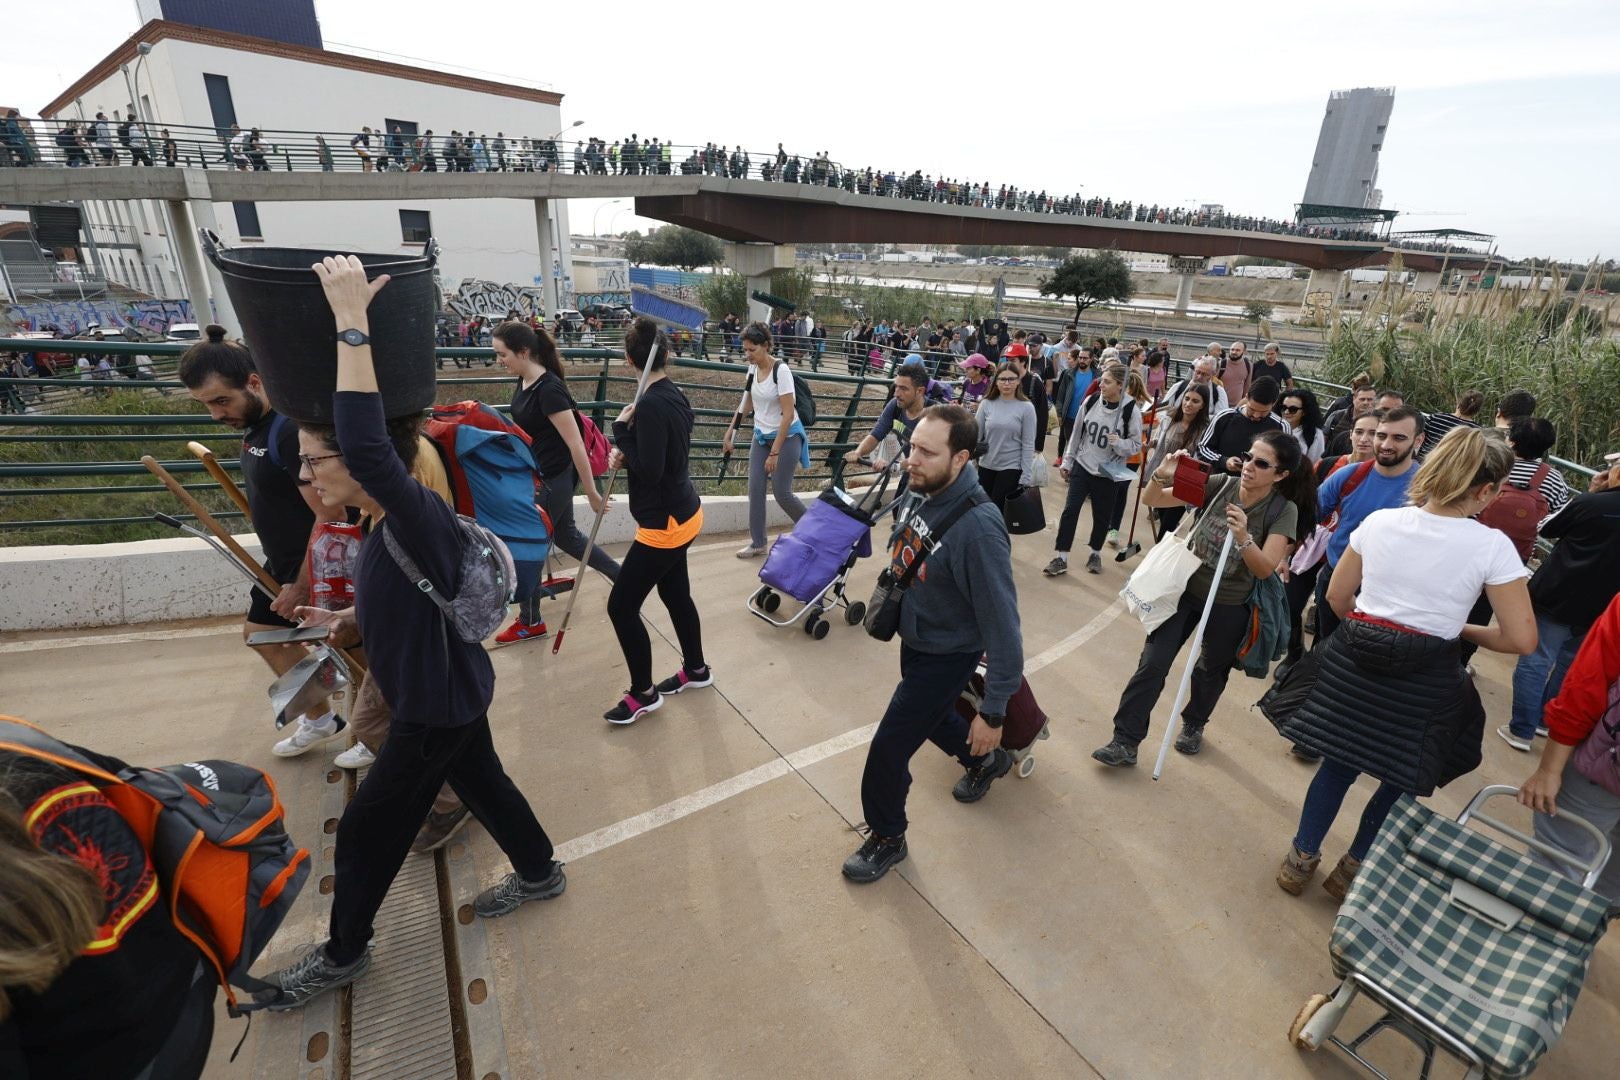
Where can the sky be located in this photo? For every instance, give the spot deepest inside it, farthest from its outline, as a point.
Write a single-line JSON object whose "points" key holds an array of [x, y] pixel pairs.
{"points": [[1504, 118]]}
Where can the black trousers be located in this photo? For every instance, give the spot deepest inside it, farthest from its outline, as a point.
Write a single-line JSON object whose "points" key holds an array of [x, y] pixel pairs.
{"points": [[1326, 620], [922, 709], [1101, 491], [1000, 484], [375, 833], [645, 568], [1065, 431], [1299, 590], [1227, 625]]}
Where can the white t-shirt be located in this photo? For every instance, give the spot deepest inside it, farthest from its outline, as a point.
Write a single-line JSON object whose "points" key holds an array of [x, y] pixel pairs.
{"points": [[1425, 571], [767, 396]]}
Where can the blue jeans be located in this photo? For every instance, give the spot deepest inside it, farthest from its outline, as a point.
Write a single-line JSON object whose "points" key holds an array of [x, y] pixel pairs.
{"points": [[1322, 801], [1538, 676]]}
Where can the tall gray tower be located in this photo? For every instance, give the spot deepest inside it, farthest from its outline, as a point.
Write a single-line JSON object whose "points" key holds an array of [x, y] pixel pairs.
{"points": [[1344, 170]]}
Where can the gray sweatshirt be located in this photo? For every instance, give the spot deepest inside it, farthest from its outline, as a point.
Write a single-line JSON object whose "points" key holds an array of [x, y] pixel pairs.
{"points": [[1008, 426], [963, 599], [1090, 448]]}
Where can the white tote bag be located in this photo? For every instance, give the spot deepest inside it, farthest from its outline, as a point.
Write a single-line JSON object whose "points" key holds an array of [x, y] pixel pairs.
{"points": [[1154, 588], [1039, 472]]}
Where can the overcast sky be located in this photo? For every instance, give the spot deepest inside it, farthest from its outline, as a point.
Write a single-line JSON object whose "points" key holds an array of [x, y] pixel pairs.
{"points": [[1505, 115]]}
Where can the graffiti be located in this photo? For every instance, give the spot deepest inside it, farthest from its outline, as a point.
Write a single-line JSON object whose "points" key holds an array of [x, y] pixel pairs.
{"points": [[614, 299], [475, 297], [76, 316]]}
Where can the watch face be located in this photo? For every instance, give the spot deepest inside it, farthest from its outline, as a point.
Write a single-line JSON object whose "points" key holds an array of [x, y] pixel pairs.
{"points": [[353, 337]]}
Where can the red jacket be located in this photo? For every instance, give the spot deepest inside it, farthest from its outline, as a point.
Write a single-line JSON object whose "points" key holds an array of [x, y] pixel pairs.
{"points": [[1571, 716]]}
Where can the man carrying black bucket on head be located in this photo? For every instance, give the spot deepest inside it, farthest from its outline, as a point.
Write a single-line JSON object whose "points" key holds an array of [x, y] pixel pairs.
{"points": [[220, 375], [438, 684]]}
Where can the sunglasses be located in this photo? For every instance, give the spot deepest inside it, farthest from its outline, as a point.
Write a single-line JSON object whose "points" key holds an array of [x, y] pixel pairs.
{"points": [[1259, 463], [1292, 409]]}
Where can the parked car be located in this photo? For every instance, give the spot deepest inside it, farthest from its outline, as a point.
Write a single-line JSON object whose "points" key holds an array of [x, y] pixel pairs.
{"points": [[610, 314], [185, 331]]}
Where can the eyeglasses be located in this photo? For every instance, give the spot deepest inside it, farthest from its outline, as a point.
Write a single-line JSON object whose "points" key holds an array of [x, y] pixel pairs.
{"points": [[1262, 465], [1292, 409], [309, 462]]}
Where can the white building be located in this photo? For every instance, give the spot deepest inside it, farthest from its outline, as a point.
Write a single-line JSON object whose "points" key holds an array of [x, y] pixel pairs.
{"points": [[208, 79]]}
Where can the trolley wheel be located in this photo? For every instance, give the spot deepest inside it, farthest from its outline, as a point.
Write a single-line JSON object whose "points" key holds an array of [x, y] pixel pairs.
{"points": [[819, 628], [770, 601], [811, 617], [1026, 766], [1297, 1034], [855, 613]]}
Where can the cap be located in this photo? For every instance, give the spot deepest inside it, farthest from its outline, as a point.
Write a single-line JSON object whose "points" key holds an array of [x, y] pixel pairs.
{"points": [[1015, 349]]}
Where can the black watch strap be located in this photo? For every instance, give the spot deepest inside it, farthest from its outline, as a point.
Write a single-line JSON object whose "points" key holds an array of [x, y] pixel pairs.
{"points": [[353, 337], [992, 720]]}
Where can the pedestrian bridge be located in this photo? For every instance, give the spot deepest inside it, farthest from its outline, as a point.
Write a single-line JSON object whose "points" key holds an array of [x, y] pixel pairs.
{"points": [[1079, 923]]}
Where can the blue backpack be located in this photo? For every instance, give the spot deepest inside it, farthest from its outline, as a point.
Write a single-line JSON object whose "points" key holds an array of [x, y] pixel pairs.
{"points": [[492, 475]]}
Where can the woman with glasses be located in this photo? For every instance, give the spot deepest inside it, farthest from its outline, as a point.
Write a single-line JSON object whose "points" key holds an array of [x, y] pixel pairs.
{"points": [[1304, 418], [1262, 508], [779, 445], [1006, 419]]}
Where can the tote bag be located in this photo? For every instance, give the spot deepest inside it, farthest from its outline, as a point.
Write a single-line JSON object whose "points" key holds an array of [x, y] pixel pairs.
{"points": [[1154, 588]]}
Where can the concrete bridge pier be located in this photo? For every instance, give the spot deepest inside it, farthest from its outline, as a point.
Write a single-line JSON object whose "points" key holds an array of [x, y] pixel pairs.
{"points": [[191, 260], [1322, 290], [1186, 267], [201, 203], [1427, 281], [549, 255], [755, 263]]}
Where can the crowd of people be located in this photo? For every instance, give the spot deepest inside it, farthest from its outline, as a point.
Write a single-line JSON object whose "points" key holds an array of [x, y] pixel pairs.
{"points": [[1398, 540]]}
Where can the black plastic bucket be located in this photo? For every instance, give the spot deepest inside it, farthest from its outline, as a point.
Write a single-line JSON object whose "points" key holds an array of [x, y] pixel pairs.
{"points": [[287, 324]]}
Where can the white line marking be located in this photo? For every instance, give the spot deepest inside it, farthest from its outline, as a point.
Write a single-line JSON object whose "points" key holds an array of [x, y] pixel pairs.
{"points": [[118, 639], [1074, 640]]}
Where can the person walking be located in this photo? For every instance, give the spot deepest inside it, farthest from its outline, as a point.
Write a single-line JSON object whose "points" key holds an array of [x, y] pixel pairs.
{"points": [[543, 407], [1392, 698], [1302, 414], [1180, 429], [1231, 432], [779, 446], [438, 685], [1264, 509], [1107, 431], [1006, 420], [963, 608], [653, 441], [1069, 390], [361, 145]]}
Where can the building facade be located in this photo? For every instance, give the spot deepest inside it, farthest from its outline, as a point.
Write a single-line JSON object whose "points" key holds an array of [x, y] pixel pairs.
{"points": [[1344, 169]]}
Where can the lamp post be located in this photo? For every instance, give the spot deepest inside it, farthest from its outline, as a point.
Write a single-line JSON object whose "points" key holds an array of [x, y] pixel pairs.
{"points": [[144, 49], [598, 213], [559, 131]]}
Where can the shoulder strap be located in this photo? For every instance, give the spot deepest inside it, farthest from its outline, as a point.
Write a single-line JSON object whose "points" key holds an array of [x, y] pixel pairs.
{"points": [[976, 497], [1541, 474], [276, 424], [1354, 480], [406, 564]]}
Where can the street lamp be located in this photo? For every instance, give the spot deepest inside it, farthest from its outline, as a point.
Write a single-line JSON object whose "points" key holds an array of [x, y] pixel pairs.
{"points": [[144, 49], [598, 214], [559, 131]]}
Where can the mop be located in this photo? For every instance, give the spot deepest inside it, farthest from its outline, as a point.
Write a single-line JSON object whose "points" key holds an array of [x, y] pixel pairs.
{"points": [[1198, 645]]}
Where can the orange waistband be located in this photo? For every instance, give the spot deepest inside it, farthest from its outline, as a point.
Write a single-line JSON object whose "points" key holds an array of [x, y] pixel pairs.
{"points": [[675, 534]]}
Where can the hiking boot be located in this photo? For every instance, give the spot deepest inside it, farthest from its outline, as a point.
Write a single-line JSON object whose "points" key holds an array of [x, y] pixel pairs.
{"points": [[358, 756], [752, 551], [1337, 883], [1116, 754], [874, 857], [437, 830], [1191, 739], [307, 735], [1518, 742], [309, 977], [687, 680], [976, 781], [1113, 538], [520, 631], [1058, 565], [1094, 563], [1304, 753], [633, 707], [1296, 871], [511, 892]]}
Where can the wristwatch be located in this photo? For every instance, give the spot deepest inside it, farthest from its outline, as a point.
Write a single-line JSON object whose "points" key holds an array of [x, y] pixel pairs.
{"points": [[353, 337], [992, 720]]}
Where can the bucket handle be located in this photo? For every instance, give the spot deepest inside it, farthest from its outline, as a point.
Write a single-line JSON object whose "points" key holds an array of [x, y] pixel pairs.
{"points": [[215, 248]]}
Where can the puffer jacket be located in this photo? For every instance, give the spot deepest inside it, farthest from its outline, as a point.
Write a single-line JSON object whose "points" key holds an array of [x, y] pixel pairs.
{"points": [[1394, 704]]}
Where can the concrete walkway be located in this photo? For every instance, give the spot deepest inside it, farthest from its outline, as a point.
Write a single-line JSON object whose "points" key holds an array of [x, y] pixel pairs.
{"points": [[1078, 923]]}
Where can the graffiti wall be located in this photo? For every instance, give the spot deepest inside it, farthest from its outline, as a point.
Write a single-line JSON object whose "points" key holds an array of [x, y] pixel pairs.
{"points": [[476, 297], [676, 284], [75, 316]]}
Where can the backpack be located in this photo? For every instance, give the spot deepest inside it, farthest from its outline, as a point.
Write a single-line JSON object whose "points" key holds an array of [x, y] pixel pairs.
{"points": [[492, 474], [1518, 512], [485, 573], [217, 837], [597, 447], [123, 132], [804, 402]]}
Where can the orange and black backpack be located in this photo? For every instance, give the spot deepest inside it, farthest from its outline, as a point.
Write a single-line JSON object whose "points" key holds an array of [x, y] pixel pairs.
{"points": [[216, 834]]}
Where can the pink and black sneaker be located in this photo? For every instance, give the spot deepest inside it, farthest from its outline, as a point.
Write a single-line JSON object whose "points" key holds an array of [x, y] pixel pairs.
{"points": [[633, 707], [687, 680]]}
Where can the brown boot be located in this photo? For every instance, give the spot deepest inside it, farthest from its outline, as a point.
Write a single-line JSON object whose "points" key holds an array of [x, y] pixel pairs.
{"points": [[1296, 871], [1337, 883]]}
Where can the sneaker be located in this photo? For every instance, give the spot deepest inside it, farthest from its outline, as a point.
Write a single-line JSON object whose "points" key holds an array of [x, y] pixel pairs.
{"points": [[511, 892], [520, 631], [1113, 538], [685, 680], [976, 781], [1304, 753], [358, 756], [309, 977], [1094, 564], [1191, 739], [437, 830], [1296, 871], [874, 857], [1058, 565], [752, 551], [1541, 731], [1115, 755], [1337, 883], [306, 736], [1518, 742], [633, 707]]}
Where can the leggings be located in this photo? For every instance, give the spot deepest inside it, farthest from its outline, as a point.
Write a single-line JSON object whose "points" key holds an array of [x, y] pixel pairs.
{"points": [[643, 569], [781, 483]]}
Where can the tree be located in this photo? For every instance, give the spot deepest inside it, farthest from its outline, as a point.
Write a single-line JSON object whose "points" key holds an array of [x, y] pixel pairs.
{"points": [[724, 293], [1091, 279], [638, 248], [688, 249], [1257, 311]]}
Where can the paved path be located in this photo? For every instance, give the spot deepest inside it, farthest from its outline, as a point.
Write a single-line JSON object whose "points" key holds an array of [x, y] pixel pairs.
{"points": [[1078, 923]]}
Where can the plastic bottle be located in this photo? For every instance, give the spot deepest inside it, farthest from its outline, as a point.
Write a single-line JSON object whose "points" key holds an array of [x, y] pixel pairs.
{"points": [[332, 554]]}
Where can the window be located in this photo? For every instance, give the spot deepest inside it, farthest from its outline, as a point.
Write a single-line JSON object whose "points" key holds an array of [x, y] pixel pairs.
{"points": [[220, 103], [415, 227], [1377, 146], [247, 221]]}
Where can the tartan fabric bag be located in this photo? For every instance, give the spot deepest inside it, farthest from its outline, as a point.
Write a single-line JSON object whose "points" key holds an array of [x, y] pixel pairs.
{"points": [[1471, 935]]}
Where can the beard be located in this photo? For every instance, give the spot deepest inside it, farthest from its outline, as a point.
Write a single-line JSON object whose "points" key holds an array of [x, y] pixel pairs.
{"points": [[1399, 458]]}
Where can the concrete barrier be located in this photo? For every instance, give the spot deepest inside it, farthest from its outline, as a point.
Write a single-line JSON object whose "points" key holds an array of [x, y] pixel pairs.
{"points": [[65, 586]]}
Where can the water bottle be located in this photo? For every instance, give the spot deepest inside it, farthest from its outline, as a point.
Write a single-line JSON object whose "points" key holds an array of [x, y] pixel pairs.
{"points": [[332, 554]]}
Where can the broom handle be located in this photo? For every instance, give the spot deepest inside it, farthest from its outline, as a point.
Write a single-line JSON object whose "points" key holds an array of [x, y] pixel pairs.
{"points": [[1192, 658], [217, 471]]}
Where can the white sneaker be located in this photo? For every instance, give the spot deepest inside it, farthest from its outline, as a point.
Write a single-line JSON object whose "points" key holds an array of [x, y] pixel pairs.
{"points": [[357, 756], [1522, 745], [750, 552], [306, 736], [1113, 538]]}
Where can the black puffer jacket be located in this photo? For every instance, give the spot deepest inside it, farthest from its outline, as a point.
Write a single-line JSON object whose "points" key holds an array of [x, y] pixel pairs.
{"points": [[1393, 703]]}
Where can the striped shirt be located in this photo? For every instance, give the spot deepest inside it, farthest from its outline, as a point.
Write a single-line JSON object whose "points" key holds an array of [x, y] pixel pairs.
{"points": [[1435, 426], [1553, 486]]}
